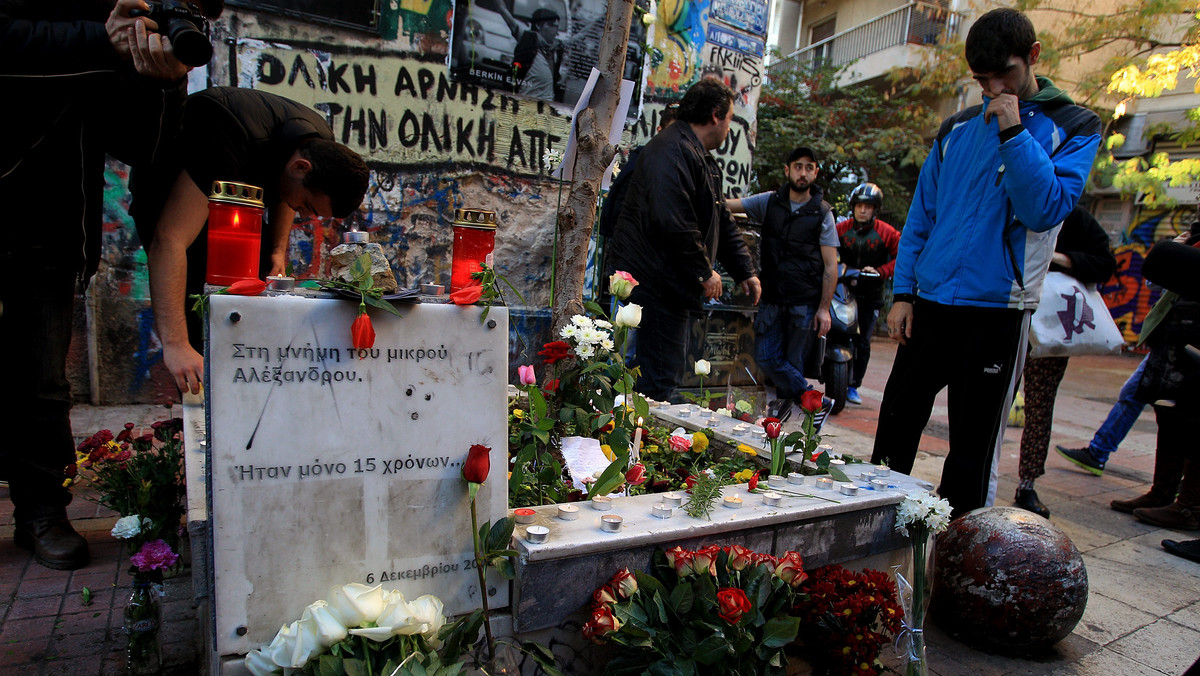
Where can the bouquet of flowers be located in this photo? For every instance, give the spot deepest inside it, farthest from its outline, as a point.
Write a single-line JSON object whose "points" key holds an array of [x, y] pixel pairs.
{"points": [[140, 478], [920, 515], [847, 618], [712, 611], [358, 630]]}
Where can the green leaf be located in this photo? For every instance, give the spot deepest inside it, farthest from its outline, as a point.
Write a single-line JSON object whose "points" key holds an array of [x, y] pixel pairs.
{"points": [[594, 308], [504, 566], [681, 599], [380, 303], [780, 631], [711, 649], [537, 403], [837, 474], [500, 534], [611, 477], [360, 269]]}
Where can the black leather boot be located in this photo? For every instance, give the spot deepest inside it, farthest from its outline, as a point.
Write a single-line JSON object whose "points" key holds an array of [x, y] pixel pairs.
{"points": [[1027, 499], [54, 543]]}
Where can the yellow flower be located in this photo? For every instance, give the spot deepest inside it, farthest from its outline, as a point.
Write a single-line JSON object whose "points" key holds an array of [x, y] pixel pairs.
{"points": [[747, 450], [650, 448], [608, 452], [519, 414], [744, 475], [510, 475], [699, 442]]}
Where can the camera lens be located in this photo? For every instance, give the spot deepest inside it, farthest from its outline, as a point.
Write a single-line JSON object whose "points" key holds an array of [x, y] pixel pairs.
{"points": [[191, 46]]}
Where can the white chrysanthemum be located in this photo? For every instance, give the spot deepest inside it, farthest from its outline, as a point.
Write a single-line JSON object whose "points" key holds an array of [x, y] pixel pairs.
{"points": [[569, 331], [921, 508], [592, 336], [582, 321], [585, 350], [607, 344], [601, 324]]}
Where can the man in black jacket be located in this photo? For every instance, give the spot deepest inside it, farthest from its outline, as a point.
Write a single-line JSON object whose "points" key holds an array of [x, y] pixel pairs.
{"points": [[81, 78], [798, 254], [672, 227], [246, 136]]}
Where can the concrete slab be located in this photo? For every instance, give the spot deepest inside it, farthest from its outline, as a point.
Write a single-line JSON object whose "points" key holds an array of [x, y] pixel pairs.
{"points": [[1171, 648], [1155, 594], [1106, 620], [1189, 616], [1104, 662]]}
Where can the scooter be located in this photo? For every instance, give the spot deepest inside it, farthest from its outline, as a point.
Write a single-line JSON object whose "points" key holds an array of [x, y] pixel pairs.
{"points": [[832, 355]]}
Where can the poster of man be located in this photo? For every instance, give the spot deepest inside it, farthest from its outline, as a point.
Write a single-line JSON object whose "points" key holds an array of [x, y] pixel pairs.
{"points": [[539, 49]]}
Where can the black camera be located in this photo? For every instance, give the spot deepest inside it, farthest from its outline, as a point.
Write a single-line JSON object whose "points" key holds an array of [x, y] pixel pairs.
{"points": [[185, 26]]}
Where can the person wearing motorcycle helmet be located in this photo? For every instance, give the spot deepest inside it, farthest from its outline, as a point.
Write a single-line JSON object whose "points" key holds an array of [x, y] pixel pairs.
{"points": [[868, 245]]}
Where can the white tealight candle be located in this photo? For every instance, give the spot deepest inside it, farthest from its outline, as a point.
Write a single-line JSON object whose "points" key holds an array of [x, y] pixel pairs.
{"points": [[867, 476], [661, 511], [848, 489], [672, 499], [838, 462], [537, 534], [733, 502], [568, 512], [602, 503], [879, 484], [772, 499], [882, 470], [825, 483], [610, 523], [776, 481], [795, 478]]}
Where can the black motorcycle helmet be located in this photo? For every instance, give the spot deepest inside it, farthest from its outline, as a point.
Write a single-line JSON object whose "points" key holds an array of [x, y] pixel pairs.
{"points": [[867, 193]]}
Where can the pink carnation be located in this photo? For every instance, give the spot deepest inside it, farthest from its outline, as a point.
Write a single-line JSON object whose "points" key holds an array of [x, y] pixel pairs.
{"points": [[154, 555]]}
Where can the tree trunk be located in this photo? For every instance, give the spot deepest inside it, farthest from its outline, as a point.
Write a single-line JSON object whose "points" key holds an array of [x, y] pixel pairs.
{"points": [[592, 156]]}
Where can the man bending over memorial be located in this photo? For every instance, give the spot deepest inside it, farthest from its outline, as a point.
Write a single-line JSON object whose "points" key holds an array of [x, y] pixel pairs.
{"points": [[246, 136]]}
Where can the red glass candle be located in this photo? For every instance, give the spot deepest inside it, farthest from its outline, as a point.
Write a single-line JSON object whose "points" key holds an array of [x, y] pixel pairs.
{"points": [[235, 212], [474, 240]]}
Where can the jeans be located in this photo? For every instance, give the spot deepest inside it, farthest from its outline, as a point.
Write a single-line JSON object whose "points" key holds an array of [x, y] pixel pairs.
{"points": [[867, 316], [1121, 418], [781, 337]]}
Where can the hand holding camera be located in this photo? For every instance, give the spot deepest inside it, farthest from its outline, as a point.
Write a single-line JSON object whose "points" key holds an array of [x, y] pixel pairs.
{"points": [[163, 39]]}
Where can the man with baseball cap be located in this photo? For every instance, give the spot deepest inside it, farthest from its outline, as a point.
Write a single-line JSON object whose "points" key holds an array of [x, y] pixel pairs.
{"points": [[798, 259]]}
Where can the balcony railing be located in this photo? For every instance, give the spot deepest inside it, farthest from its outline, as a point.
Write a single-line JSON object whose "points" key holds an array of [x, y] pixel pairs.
{"points": [[918, 23]]}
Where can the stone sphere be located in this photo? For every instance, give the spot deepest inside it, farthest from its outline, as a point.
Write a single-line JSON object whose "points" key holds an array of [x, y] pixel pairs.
{"points": [[1007, 581]]}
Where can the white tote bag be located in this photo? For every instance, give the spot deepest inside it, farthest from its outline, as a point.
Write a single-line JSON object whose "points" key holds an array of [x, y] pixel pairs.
{"points": [[1071, 320]]}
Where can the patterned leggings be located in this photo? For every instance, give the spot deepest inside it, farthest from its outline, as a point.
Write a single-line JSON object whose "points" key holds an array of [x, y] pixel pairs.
{"points": [[1042, 377]]}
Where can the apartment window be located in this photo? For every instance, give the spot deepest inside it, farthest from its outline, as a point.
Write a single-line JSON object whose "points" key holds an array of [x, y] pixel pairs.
{"points": [[819, 32]]}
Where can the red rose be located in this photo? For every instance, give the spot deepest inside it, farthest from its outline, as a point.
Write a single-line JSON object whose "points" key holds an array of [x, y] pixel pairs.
{"points": [[604, 596], [551, 386], [811, 401], [689, 481], [247, 287], [608, 427], [602, 622], [478, 464], [773, 427], [753, 483], [704, 560], [362, 334], [732, 603], [680, 444], [739, 556], [680, 559], [636, 474], [790, 569], [467, 296], [555, 352], [624, 583]]}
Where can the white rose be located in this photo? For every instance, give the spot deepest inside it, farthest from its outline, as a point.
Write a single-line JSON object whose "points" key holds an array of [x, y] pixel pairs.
{"points": [[357, 603], [127, 527], [629, 315], [396, 618], [428, 611], [703, 368], [259, 664], [294, 645], [330, 628]]}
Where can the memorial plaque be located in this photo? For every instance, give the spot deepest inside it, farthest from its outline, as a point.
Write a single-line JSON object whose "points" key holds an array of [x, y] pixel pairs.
{"points": [[332, 465]]}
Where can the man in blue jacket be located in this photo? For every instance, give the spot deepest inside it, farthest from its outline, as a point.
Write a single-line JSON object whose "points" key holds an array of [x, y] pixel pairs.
{"points": [[998, 182]]}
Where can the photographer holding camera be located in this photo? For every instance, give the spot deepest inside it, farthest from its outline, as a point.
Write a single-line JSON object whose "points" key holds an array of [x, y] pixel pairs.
{"points": [[81, 79]]}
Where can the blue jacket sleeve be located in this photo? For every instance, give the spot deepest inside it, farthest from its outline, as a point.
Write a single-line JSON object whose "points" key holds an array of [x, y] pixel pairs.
{"points": [[922, 215], [1043, 189]]}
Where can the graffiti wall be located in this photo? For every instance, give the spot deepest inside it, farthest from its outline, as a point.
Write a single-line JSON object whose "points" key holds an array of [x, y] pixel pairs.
{"points": [[1128, 297], [433, 143]]}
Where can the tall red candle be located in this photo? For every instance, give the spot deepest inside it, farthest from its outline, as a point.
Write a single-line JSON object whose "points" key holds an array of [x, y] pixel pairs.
{"points": [[474, 240], [235, 212]]}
